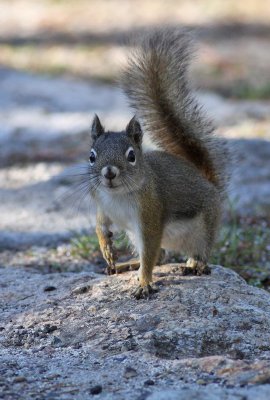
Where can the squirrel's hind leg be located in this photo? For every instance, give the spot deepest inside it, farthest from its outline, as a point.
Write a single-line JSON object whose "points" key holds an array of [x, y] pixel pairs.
{"points": [[199, 250], [196, 266]]}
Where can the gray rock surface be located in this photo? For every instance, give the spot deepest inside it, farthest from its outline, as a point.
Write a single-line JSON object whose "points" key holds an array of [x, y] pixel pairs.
{"points": [[198, 337]]}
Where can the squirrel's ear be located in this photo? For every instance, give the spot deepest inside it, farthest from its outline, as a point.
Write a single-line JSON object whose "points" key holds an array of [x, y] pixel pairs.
{"points": [[134, 130], [96, 129]]}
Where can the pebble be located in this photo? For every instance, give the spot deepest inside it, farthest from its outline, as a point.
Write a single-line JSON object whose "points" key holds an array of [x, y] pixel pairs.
{"points": [[130, 373], [56, 341], [201, 382], [81, 289], [49, 288], [19, 379], [96, 389], [149, 382], [49, 328]]}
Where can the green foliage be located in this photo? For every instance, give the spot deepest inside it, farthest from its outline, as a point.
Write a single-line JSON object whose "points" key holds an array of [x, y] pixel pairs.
{"points": [[244, 245], [244, 90], [86, 246]]}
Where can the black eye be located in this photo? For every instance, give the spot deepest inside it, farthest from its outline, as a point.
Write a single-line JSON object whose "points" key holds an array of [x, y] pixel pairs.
{"points": [[131, 156], [93, 156]]}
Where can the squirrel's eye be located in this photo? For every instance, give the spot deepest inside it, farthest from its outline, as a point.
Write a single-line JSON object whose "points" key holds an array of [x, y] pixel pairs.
{"points": [[93, 156], [130, 154]]}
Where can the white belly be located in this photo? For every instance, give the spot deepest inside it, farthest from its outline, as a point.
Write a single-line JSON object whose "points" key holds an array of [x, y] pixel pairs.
{"points": [[120, 210], [181, 236]]}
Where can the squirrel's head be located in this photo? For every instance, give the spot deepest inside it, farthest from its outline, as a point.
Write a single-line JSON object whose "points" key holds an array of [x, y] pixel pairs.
{"points": [[116, 157]]}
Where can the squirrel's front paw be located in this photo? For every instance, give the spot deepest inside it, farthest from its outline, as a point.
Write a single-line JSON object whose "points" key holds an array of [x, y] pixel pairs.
{"points": [[110, 270], [110, 256], [144, 292]]}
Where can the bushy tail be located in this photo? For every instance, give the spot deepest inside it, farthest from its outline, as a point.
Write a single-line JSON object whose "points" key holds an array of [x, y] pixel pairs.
{"points": [[157, 85]]}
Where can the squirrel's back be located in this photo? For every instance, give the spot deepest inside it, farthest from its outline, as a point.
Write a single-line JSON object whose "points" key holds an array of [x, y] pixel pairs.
{"points": [[157, 85]]}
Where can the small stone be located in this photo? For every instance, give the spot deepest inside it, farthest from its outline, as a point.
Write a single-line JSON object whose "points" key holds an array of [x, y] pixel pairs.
{"points": [[201, 382], [96, 389], [52, 376], [120, 358], [149, 382], [56, 341], [130, 373], [49, 288], [214, 311], [19, 379], [49, 328], [77, 346], [81, 289]]}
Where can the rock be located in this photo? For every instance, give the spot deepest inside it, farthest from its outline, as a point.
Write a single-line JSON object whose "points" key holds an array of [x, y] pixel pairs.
{"points": [[203, 337], [130, 373], [19, 379], [49, 288], [96, 389], [56, 341], [49, 328], [81, 289], [201, 382], [149, 382]]}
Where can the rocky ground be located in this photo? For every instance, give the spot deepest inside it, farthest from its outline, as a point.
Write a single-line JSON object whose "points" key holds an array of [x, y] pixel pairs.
{"points": [[66, 330], [73, 335]]}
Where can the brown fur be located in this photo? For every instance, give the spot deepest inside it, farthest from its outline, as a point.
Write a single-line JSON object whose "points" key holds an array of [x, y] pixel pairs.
{"points": [[158, 87]]}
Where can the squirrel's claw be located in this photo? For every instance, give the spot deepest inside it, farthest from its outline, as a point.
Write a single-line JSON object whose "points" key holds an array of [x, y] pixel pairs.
{"points": [[110, 270], [144, 292]]}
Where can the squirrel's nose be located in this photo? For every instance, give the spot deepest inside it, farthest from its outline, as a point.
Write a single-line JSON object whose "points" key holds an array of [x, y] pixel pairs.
{"points": [[110, 172]]}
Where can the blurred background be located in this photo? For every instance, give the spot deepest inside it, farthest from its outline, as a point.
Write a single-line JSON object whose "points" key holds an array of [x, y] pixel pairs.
{"points": [[85, 38], [58, 64]]}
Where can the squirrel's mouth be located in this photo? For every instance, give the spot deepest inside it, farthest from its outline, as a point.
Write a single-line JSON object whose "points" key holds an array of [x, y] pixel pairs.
{"points": [[110, 185]]}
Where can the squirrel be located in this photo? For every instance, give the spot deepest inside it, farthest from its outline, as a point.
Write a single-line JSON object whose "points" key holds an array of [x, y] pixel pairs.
{"points": [[170, 198]]}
